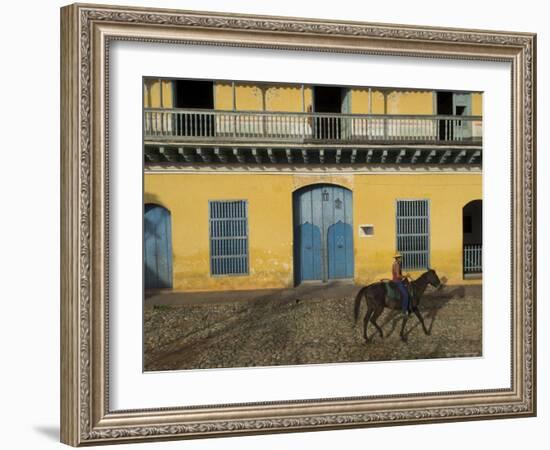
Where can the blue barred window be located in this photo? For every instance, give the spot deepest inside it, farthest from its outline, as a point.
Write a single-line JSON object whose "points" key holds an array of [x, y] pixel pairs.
{"points": [[228, 237], [413, 233]]}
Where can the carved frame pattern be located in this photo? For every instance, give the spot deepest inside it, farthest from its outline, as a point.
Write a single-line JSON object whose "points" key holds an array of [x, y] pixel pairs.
{"points": [[86, 34]]}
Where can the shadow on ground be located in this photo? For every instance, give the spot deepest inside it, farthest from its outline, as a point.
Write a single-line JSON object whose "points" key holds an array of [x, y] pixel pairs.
{"points": [[308, 325]]}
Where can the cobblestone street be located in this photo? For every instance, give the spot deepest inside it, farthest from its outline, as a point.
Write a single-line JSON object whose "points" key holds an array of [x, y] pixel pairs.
{"points": [[308, 326]]}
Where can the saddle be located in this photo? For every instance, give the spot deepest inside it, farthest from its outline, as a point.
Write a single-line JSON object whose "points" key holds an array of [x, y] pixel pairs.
{"points": [[392, 291]]}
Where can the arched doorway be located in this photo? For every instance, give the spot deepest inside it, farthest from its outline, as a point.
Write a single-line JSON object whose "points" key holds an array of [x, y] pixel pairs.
{"points": [[157, 247], [323, 233], [472, 237]]}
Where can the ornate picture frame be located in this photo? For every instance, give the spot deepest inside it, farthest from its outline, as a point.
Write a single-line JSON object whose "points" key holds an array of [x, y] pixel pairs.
{"points": [[87, 31]]}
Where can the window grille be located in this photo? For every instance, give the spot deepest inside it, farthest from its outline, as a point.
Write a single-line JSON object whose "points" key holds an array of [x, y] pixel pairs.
{"points": [[228, 237], [413, 233]]}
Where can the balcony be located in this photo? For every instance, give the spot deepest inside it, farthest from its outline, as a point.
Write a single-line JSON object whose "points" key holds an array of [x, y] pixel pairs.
{"points": [[238, 126], [193, 136]]}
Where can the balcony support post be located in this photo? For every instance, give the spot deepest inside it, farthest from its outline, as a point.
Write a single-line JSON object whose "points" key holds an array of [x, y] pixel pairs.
{"points": [[474, 156], [239, 154], [400, 156], [257, 155], [430, 155], [220, 153], [204, 155], [289, 156], [459, 156], [444, 157]]}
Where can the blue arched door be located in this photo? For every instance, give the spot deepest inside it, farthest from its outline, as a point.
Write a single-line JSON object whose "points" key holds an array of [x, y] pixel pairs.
{"points": [[157, 247], [323, 233]]}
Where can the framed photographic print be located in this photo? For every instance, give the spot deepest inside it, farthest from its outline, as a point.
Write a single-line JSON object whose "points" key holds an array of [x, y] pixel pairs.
{"points": [[281, 224]]}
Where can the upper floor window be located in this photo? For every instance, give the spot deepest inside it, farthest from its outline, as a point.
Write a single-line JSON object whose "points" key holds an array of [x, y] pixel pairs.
{"points": [[197, 94]]}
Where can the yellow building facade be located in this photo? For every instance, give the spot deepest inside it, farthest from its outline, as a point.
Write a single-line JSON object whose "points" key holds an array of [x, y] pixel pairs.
{"points": [[241, 96], [416, 188]]}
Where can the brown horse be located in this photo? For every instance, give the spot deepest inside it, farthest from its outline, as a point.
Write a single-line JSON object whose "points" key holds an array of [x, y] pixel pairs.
{"points": [[377, 299]]}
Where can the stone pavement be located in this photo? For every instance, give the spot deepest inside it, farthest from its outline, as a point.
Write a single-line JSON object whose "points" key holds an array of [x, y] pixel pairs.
{"points": [[311, 324]]}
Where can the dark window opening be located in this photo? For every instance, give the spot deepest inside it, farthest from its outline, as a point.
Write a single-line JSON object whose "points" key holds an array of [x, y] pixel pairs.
{"points": [[467, 226], [327, 99], [445, 103], [194, 94], [472, 224], [445, 108]]}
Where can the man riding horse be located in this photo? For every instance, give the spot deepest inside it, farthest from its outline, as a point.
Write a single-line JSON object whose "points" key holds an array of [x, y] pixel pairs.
{"points": [[402, 283], [378, 296]]}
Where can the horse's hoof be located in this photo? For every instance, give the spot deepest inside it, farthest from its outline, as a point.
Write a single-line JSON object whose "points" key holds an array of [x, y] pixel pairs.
{"points": [[428, 333], [404, 339]]}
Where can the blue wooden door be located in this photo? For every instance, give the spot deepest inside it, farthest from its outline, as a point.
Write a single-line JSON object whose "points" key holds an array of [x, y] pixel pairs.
{"points": [[340, 250], [309, 245], [323, 246], [157, 247]]}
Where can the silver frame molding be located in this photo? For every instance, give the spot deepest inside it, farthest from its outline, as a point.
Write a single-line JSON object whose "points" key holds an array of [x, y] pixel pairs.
{"points": [[86, 32]]}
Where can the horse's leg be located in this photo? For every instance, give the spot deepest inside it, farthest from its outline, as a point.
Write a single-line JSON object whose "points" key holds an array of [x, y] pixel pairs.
{"points": [[402, 334], [366, 323], [420, 318], [375, 316]]}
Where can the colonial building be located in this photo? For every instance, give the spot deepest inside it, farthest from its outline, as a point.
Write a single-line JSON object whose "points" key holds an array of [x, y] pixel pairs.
{"points": [[267, 185]]}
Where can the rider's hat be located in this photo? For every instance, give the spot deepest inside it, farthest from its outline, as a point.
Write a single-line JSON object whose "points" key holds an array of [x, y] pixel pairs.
{"points": [[397, 255]]}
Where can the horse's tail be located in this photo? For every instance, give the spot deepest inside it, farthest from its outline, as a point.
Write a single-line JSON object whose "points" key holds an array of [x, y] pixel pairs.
{"points": [[358, 299]]}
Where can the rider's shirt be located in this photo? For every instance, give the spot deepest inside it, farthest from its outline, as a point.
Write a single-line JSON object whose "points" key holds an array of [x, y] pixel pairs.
{"points": [[396, 271]]}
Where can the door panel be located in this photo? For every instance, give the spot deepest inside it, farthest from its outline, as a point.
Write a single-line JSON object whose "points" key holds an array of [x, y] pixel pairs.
{"points": [[157, 247], [310, 252], [340, 251]]}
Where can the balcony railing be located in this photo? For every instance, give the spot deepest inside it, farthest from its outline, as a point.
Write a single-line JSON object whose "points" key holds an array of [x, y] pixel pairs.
{"points": [[472, 258], [187, 124]]}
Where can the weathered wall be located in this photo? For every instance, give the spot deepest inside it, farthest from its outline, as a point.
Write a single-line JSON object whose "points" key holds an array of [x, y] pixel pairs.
{"points": [[271, 229], [269, 222], [477, 104], [152, 91], [254, 97], [391, 101], [288, 98]]}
